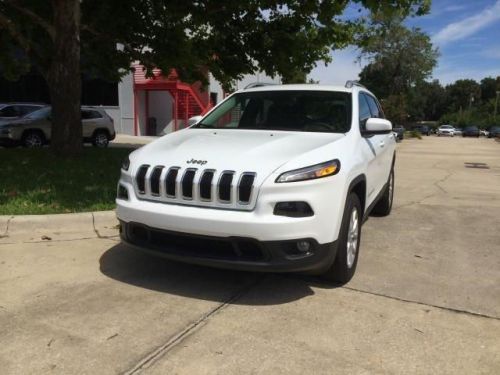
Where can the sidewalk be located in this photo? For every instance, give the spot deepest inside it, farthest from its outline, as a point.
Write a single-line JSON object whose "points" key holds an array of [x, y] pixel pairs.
{"points": [[59, 227]]}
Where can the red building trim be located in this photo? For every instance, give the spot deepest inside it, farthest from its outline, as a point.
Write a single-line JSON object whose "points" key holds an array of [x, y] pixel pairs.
{"points": [[188, 100]]}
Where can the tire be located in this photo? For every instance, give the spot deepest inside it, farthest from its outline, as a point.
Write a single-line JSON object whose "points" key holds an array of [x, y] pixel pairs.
{"points": [[100, 139], [33, 139], [384, 205], [344, 266]]}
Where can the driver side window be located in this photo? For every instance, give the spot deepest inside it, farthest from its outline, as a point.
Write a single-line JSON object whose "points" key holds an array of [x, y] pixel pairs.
{"points": [[364, 111]]}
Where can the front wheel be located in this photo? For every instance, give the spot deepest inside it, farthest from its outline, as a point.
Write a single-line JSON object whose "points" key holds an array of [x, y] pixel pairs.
{"points": [[346, 260], [100, 139], [33, 139]]}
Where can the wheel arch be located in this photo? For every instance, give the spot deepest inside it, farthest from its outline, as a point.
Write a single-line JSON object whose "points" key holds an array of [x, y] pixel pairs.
{"points": [[36, 130], [101, 130], [358, 186]]}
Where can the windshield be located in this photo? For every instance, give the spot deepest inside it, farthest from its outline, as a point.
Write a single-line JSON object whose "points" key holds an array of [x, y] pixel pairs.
{"points": [[305, 111], [446, 127], [39, 114]]}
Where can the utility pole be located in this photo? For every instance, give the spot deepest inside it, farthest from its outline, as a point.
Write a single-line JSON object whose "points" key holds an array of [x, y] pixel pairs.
{"points": [[496, 106]]}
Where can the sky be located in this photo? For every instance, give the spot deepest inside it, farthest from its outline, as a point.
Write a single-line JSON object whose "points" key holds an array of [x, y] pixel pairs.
{"points": [[467, 34]]}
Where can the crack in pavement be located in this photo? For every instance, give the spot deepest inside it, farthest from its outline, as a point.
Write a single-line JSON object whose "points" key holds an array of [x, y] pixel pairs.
{"points": [[96, 231], [111, 238], [179, 337], [6, 232], [449, 309], [436, 184]]}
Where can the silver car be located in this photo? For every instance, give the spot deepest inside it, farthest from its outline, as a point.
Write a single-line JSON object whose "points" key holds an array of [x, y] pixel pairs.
{"points": [[35, 129], [9, 111]]}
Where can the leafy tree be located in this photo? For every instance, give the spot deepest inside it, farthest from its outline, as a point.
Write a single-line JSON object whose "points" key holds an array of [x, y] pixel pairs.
{"points": [[399, 57], [62, 38], [395, 108], [462, 94], [427, 101], [489, 87]]}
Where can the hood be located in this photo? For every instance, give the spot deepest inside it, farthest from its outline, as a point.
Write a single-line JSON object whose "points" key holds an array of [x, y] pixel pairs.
{"points": [[261, 151]]}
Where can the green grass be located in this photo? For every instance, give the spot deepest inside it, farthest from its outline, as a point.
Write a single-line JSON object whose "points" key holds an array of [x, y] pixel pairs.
{"points": [[37, 182]]}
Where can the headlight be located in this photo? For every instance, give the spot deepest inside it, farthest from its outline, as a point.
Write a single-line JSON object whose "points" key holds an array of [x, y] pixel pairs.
{"points": [[321, 170], [126, 163]]}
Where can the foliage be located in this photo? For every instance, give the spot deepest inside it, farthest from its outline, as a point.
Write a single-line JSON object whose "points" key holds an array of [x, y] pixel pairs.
{"points": [[427, 101], [413, 134], [229, 38], [395, 108], [472, 103], [399, 57], [36, 182]]}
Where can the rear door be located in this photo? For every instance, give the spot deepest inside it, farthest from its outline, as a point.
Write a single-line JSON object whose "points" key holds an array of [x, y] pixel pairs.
{"points": [[90, 121]]}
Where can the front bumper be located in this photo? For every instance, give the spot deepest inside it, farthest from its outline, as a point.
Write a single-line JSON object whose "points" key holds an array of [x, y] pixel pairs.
{"points": [[8, 142], [241, 253]]}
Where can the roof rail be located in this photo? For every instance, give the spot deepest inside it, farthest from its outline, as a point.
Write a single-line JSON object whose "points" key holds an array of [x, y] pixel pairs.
{"points": [[258, 84], [350, 84]]}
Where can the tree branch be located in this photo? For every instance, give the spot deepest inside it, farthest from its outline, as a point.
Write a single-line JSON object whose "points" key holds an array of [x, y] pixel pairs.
{"points": [[34, 17], [9, 25]]}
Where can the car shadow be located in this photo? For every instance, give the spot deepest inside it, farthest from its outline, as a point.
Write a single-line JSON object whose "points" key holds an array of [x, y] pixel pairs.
{"points": [[132, 267]]}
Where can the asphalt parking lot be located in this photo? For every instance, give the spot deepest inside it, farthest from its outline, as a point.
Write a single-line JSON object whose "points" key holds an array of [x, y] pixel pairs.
{"points": [[425, 298]]}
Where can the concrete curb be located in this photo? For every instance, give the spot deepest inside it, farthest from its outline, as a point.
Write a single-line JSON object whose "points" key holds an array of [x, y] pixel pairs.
{"points": [[59, 227]]}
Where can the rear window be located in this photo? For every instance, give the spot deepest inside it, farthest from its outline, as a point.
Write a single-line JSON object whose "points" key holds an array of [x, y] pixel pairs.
{"points": [[90, 114]]}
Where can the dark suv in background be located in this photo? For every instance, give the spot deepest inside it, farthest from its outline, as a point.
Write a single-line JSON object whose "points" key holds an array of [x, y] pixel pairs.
{"points": [[470, 131], [400, 131], [494, 132], [422, 129]]}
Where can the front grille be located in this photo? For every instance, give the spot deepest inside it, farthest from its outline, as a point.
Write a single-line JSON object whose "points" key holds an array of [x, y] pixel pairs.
{"points": [[199, 187]]}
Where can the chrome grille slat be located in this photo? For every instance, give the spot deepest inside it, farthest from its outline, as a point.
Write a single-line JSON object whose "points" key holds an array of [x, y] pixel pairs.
{"points": [[196, 187]]}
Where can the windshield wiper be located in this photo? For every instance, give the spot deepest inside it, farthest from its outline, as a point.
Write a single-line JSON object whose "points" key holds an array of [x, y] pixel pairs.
{"points": [[204, 126]]}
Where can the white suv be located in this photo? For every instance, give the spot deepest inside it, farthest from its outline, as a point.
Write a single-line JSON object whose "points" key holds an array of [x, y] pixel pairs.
{"points": [[446, 130], [274, 178]]}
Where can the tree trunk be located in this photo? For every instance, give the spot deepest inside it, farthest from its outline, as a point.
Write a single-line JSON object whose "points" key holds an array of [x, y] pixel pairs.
{"points": [[64, 81]]}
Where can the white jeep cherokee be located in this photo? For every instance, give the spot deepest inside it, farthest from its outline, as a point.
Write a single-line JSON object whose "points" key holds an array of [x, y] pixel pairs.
{"points": [[274, 178]]}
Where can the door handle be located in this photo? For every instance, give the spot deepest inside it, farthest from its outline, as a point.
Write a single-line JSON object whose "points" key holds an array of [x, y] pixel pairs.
{"points": [[382, 144]]}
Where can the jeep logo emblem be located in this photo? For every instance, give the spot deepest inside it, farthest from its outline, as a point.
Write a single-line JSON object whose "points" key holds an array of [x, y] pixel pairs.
{"points": [[194, 161]]}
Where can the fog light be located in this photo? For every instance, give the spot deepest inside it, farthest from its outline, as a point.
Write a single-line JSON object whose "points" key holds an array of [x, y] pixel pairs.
{"points": [[303, 246]]}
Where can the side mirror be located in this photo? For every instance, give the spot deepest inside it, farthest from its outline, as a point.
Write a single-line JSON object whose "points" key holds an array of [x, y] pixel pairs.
{"points": [[377, 126], [194, 120]]}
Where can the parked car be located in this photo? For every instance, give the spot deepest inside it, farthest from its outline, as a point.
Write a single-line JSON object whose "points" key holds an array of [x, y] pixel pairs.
{"points": [[10, 111], [483, 132], [422, 129], [400, 132], [494, 132], [458, 131], [275, 178], [446, 130], [34, 129], [471, 131]]}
